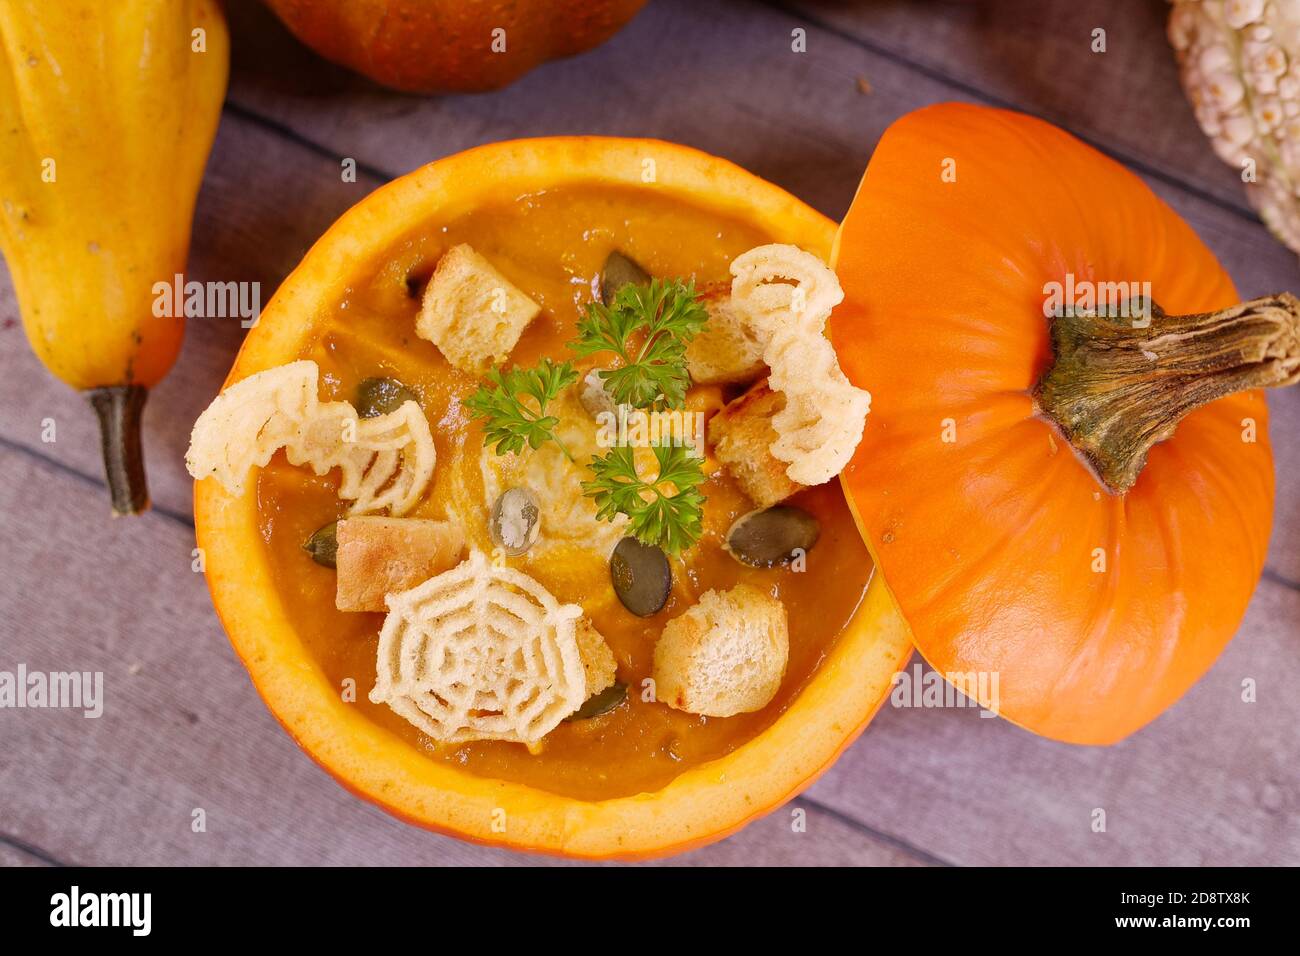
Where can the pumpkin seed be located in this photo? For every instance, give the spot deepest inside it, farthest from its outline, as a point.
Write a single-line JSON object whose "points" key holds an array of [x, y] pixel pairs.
{"points": [[767, 538], [641, 576], [595, 396], [601, 703], [515, 522], [323, 545], [379, 396], [619, 271]]}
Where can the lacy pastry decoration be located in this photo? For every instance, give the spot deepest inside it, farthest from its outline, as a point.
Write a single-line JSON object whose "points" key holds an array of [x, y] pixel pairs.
{"points": [[480, 652], [385, 462]]}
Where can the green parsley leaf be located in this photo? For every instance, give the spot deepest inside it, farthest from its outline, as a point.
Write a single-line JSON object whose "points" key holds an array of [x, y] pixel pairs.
{"points": [[510, 423], [667, 316], [668, 521]]}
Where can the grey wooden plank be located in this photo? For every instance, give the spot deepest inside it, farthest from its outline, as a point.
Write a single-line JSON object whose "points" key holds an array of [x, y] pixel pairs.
{"points": [[1284, 429], [182, 728], [1210, 782], [16, 855], [775, 841], [1037, 55]]}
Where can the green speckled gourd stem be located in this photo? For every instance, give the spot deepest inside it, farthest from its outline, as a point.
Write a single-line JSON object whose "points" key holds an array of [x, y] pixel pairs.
{"points": [[1116, 388], [119, 408]]}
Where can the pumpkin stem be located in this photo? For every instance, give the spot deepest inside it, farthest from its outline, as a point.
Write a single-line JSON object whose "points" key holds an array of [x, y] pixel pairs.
{"points": [[1120, 385], [119, 408]]}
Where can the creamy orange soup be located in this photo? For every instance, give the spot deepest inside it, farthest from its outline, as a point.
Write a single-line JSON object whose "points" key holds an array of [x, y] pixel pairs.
{"points": [[552, 245]]}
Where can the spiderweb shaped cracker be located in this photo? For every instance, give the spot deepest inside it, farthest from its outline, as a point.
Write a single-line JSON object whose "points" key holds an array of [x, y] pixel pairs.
{"points": [[480, 652], [385, 462], [788, 294]]}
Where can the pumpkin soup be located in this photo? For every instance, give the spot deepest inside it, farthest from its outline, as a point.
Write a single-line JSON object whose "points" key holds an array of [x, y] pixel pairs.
{"points": [[552, 248]]}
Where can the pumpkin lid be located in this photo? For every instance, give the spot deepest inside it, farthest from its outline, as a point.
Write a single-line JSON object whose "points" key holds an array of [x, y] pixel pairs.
{"points": [[1066, 478]]}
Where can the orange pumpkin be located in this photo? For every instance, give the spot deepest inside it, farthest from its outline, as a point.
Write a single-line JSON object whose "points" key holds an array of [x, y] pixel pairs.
{"points": [[444, 46], [1041, 509], [702, 803]]}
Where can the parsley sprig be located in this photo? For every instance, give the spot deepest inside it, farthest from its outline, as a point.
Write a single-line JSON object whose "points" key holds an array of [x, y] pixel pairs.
{"points": [[647, 327], [510, 422], [669, 520], [665, 315]]}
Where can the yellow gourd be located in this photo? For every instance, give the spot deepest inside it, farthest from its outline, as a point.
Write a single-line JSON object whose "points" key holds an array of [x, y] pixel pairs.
{"points": [[107, 113]]}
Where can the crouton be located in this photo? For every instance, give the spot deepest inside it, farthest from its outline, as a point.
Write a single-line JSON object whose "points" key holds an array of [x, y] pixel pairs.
{"points": [[472, 312], [597, 659], [724, 656], [379, 556], [742, 434], [729, 349]]}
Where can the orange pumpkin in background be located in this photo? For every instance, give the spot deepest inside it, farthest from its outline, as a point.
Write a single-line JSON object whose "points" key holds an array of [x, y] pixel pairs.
{"points": [[1039, 505], [451, 46]]}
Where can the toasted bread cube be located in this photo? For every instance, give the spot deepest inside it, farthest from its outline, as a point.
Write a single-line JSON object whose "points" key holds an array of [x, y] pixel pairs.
{"points": [[724, 656], [597, 659], [472, 312], [742, 434], [728, 350], [378, 556]]}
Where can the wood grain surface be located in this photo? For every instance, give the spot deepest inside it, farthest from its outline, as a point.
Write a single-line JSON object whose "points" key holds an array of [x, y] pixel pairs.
{"points": [[1213, 781]]}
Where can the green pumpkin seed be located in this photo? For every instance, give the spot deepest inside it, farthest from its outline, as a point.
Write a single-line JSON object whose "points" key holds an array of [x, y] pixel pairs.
{"points": [[595, 396], [772, 536], [641, 575], [323, 545], [515, 522], [619, 271], [600, 704], [380, 396]]}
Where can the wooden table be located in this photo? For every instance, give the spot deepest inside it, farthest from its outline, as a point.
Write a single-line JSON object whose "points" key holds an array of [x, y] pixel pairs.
{"points": [[1214, 780]]}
